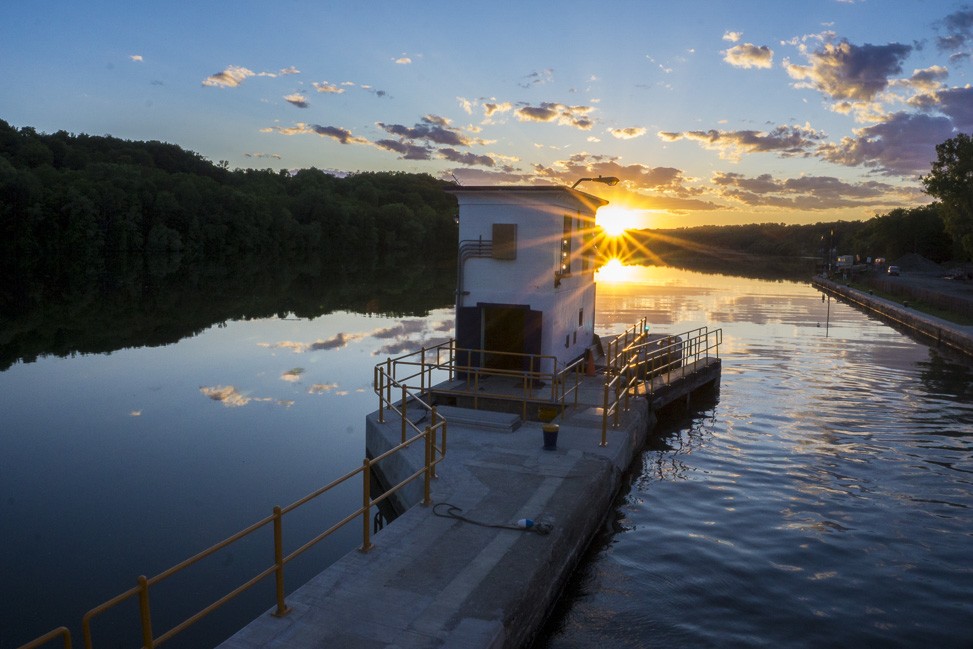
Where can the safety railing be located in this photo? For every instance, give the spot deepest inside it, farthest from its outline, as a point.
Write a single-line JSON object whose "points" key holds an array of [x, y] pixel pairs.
{"points": [[434, 453], [414, 374], [634, 359]]}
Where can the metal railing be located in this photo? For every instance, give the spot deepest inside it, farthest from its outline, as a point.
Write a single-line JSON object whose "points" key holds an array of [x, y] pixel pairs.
{"points": [[415, 374], [634, 360], [433, 455]]}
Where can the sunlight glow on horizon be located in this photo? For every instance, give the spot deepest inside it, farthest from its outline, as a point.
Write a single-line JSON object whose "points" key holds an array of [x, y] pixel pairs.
{"points": [[616, 220]]}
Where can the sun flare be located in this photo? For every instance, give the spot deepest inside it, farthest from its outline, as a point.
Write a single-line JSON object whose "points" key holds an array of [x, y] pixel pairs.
{"points": [[614, 272], [615, 220]]}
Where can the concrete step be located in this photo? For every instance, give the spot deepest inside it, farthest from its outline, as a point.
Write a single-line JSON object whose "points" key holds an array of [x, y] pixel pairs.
{"points": [[482, 419]]}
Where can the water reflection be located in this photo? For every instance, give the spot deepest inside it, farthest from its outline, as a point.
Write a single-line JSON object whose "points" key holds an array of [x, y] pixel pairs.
{"points": [[830, 484]]}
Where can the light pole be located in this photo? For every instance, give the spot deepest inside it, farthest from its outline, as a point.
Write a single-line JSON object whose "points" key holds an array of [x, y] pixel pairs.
{"points": [[611, 181]]}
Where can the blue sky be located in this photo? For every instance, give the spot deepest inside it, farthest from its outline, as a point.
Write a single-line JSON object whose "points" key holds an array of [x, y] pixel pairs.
{"points": [[709, 112]]}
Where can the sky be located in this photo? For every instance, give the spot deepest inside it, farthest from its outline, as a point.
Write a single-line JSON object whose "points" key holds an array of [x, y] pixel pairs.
{"points": [[708, 112]]}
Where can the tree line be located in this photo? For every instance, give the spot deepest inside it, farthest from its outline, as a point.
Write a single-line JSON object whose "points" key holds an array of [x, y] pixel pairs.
{"points": [[86, 199], [918, 230]]}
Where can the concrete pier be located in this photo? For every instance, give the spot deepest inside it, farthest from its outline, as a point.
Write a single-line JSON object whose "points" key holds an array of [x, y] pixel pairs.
{"points": [[943, 332], [434, 581]]}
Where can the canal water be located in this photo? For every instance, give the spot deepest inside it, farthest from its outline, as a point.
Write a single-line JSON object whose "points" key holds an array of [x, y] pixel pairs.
{"points": [[822, 497]]}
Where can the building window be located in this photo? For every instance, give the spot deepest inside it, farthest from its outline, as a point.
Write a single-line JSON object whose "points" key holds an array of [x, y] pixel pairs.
{"points": [[581, 316], [504, 241]]}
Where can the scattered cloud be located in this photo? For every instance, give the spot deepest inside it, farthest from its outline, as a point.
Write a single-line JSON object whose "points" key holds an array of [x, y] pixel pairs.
{"points": [[576, 116], [334, 132], [733, 37], [956, 32], [432, 128], [537, 78], [749, 55], [844, 71], [629, 133], [402, 60], [292, 375], [468, 159], [234, 75], [324, 86], [273, 156], [805, 192], [231, 77], [322, 388], [297, 99], [904, 144], [783, 140], [135, 57]]}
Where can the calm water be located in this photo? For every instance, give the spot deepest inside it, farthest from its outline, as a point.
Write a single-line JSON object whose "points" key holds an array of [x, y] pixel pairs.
{"points": [[823, 498]]}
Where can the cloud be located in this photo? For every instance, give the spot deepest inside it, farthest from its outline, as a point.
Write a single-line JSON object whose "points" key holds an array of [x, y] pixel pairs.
{"points": [[576, 116], [275, 156], [136, 57], [537, 78], [324, 86], [783, 140], [733, 37], [432, 128], [342, 135], [492, 108], [958, 30], [292, 375], [407, 150], [403, 60], [629, 133], [234, 75], [321, 388], [845, 71], [904, 144], [661, 188], [749, 55], [807, 192], [927, 80], [468, 159], [231, 77], [297, 99]]}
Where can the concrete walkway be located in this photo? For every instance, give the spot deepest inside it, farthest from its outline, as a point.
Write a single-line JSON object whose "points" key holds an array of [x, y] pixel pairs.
{"points": [[944, 332], [431, 581]]}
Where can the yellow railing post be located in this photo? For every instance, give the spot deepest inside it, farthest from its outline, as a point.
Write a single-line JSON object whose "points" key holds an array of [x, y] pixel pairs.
{"points": [[434, 418], [282, 609], [366, 505], [380, 389], [428, 478], [388, 384], [145, 614], [405, 408], [422, 372]]}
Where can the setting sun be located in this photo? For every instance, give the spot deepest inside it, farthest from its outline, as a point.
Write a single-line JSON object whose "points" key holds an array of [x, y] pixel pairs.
{"points": [[615, 220]]}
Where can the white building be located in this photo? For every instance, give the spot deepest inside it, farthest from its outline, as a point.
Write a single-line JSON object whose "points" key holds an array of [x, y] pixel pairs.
{"points": [[526, 274]]}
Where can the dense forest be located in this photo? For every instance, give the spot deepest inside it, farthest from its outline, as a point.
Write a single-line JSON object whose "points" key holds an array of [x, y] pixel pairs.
{"points": [[84, 203]]}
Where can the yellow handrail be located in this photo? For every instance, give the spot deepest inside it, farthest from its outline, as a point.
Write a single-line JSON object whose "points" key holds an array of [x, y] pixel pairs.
{"points": [[434, 454]]}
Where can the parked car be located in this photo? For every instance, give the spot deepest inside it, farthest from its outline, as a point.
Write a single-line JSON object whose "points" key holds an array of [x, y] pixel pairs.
{"points": [[894, 270]]}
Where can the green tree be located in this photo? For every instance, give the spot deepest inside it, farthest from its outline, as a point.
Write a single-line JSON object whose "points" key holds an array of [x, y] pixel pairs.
{"points": [[951, 181]]}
